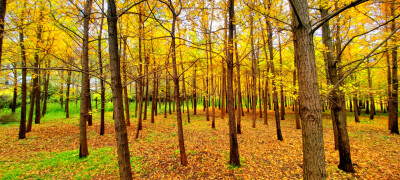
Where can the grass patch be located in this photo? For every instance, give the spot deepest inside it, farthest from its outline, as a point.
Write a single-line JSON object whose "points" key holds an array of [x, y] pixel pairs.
{"points": [[63, 164]]}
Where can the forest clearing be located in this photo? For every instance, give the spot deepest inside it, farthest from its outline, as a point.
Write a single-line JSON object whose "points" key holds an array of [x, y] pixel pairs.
{"points": [[50, 152], [199, 89]]}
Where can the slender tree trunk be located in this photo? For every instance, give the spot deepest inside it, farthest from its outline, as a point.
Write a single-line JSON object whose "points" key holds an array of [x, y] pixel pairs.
{"points": [[67, 94], [121, 134], [254, 69], [212, 77], [3, 8], [37, 72], [31, 106], [194, 91], [140, 80], [22, 125], [15, 95], [234, 146], [84, 110], [239, 90], [46, 93], [125, 87], [184, 161], [337, 102], [393, 110], [102, 88], [154, 99], [281, 86]]}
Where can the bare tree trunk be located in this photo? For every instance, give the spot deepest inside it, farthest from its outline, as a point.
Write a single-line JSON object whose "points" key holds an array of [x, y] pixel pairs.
{"points": [[46, 92], [140, 80], [239, 90], [371, 96], [121, 134], [254, 72], [275, 93], [125, 88], [3, 8], [393, 110], [37, 72], [184, 161], [15, 95], [212, 74], [67, 94], [281, 86], [337, 105], [22, 125], [31, 106], [310, 104], [102, 88], [194, 91], [84, 110], [154, 99], [234, 146]]}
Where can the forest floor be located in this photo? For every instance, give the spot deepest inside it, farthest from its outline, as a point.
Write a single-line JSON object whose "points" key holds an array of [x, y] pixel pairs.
{"points": [[50, 151]]}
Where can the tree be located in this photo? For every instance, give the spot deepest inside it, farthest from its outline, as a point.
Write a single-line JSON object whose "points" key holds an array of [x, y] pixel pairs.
{"points": [[337, 105], [121, 135], [3, 7], [84, 109], [310, 104], [234, 146]]}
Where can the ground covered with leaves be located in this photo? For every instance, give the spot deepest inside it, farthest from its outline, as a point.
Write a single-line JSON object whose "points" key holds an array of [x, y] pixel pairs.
{"points": [[51, 150]]}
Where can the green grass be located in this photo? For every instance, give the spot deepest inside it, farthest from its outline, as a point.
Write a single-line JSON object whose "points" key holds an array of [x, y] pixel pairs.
{"points": [[67, 164], [63, 164]]}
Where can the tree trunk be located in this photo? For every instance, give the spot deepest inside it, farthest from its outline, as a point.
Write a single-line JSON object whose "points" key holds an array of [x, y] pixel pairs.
{"points": [[102, 88], [393, 111], [31, 106], [254, 69], [3, 7], [67, 94], [37, 72], [22, 125], [46, 93], [194, 91], [337, 102], [184, 161], [281, 86], [15, 94], [309, 98], [234, 146], [140, 80], [84, 110], [239, 88], [125, 87], [121, 134]]}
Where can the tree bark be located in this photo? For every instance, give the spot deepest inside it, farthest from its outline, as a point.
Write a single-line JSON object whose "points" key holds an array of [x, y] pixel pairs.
{"points": [[239, 88], [393, 110], [254, 69], [184, 161], [281, 84], [67, 94], [121, 134], [102, 87], [234, 146], [3, 8], [22, 125], [337, 101], [309, 98], [125, 88], [46, 93], [84, 109]]}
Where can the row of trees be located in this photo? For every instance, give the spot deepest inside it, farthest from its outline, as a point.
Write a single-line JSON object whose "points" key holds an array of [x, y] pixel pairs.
{"points": [[220, 53]]}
